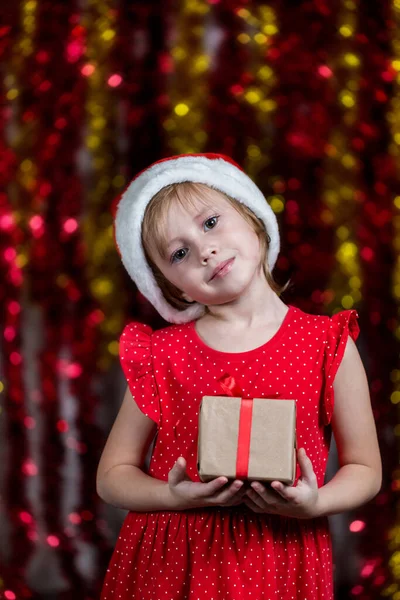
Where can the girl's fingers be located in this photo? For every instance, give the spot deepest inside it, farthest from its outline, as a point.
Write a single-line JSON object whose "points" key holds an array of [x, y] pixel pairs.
{"points": [[178, 472], [286, 492], [228, 494], [212, 487], [266, 495], [254, 507], [307, 471]]}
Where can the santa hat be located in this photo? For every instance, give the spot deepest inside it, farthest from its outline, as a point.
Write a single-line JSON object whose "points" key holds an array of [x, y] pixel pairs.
{"points": [[214, 170]]}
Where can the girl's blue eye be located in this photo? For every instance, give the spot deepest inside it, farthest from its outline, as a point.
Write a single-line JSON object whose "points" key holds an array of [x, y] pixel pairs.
{"points": [[179, 255], [211, 222]]}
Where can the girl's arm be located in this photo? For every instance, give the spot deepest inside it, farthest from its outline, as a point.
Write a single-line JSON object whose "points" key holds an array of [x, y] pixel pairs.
{"points": [[122, 482], [360, 475]]}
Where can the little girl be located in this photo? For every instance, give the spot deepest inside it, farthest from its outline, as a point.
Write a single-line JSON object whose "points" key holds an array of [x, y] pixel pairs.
{"points": [[200, 241]]}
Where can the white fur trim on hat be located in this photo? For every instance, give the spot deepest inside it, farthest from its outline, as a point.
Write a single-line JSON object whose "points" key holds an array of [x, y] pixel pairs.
{"points": [[218, 173]]}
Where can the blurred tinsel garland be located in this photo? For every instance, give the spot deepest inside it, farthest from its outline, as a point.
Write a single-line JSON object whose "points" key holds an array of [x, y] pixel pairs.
{"points": [[305, 95]]}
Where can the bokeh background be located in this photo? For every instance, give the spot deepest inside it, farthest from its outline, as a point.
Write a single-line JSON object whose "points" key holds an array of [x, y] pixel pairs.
{"points": [[305, 95]]}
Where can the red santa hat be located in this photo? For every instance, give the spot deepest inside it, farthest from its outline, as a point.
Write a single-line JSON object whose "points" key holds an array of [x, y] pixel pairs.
{"points": [[214, 170]]}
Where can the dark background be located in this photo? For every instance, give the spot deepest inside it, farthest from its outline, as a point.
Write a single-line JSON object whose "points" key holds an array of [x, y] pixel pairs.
{"points": [[305, 96]]}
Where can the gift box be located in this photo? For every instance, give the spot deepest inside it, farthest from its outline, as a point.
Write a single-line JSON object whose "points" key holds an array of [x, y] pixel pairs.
{"points": [[250, 439]]}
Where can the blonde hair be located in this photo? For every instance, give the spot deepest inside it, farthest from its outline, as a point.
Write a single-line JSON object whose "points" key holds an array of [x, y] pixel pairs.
{"points": [[153, 232]]}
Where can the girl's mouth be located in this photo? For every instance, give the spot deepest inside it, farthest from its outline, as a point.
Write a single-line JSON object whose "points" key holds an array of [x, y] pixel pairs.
{"points": [[223, 268]]}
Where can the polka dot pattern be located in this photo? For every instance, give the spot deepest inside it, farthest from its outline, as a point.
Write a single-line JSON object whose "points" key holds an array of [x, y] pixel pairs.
{"points": [[228, 553]]}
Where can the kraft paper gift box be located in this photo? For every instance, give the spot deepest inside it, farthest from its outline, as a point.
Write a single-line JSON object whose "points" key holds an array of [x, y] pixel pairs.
{"points": [[248, 439]]}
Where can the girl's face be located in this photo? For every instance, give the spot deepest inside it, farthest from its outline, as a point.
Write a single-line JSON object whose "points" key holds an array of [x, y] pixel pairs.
{"points": [[212, 254]]}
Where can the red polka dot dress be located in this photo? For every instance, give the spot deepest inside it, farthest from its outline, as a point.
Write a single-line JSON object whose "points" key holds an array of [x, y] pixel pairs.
{"points": [[228, 553]]}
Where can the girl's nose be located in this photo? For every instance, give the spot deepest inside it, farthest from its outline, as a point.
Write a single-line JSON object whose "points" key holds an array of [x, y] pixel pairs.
{"points": [[206, 254]]}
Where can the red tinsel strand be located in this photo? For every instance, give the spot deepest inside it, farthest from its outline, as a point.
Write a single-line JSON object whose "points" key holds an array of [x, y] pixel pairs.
{"points": [[378, 320], [305, 116], [56, 92], [14, 493]]}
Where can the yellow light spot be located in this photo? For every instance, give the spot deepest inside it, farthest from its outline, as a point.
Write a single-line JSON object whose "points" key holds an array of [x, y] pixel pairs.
{"points": [[113, 348], [396, 4], [21, 261], [396, 138], [346, 192], [353, 85], [260, 38], [346, 31], [253, 151], [202, 63], [395, 399], [1, 387], [243, 38], [243, 13], [93, 142], [396, 291], [26, 165], [396, 65], [265, 73], [348, 161], [268, 105], [352, 60], [347, 99], [99, 123], [29, 23], [346, 252], [331, 197], [347, 301], [270, 29], [118, 181], [253, 96], [181, 109], [108, 35], [31, 6], [12, 94], [178, 53], [342, 233], [276, 204], [355, 282], [395, 375], [169, 124], [200, 137], [101, 287]]}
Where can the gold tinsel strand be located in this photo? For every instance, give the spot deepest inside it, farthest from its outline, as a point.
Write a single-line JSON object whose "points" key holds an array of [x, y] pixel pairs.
{"points": [[341, 168], [104, 181], [261, 28], [393, 117], [187, 84]]}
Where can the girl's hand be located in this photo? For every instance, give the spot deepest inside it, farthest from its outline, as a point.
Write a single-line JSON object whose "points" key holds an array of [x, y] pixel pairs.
{"points": [[193, 494], [300, 501]]}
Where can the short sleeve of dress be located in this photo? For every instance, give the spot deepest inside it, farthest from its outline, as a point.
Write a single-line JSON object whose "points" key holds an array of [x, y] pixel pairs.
{"points": [[135, 354], [341, 326]]}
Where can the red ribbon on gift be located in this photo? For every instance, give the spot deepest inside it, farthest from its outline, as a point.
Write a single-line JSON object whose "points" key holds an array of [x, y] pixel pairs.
{"points": [[231, 388]]}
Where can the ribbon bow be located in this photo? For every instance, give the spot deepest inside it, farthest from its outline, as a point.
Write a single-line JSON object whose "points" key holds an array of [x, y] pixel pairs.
{"points": [[233, 389]]}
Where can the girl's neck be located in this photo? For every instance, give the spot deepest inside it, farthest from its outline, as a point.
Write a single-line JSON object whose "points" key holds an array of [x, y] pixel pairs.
{"points": [[258, 306]]}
